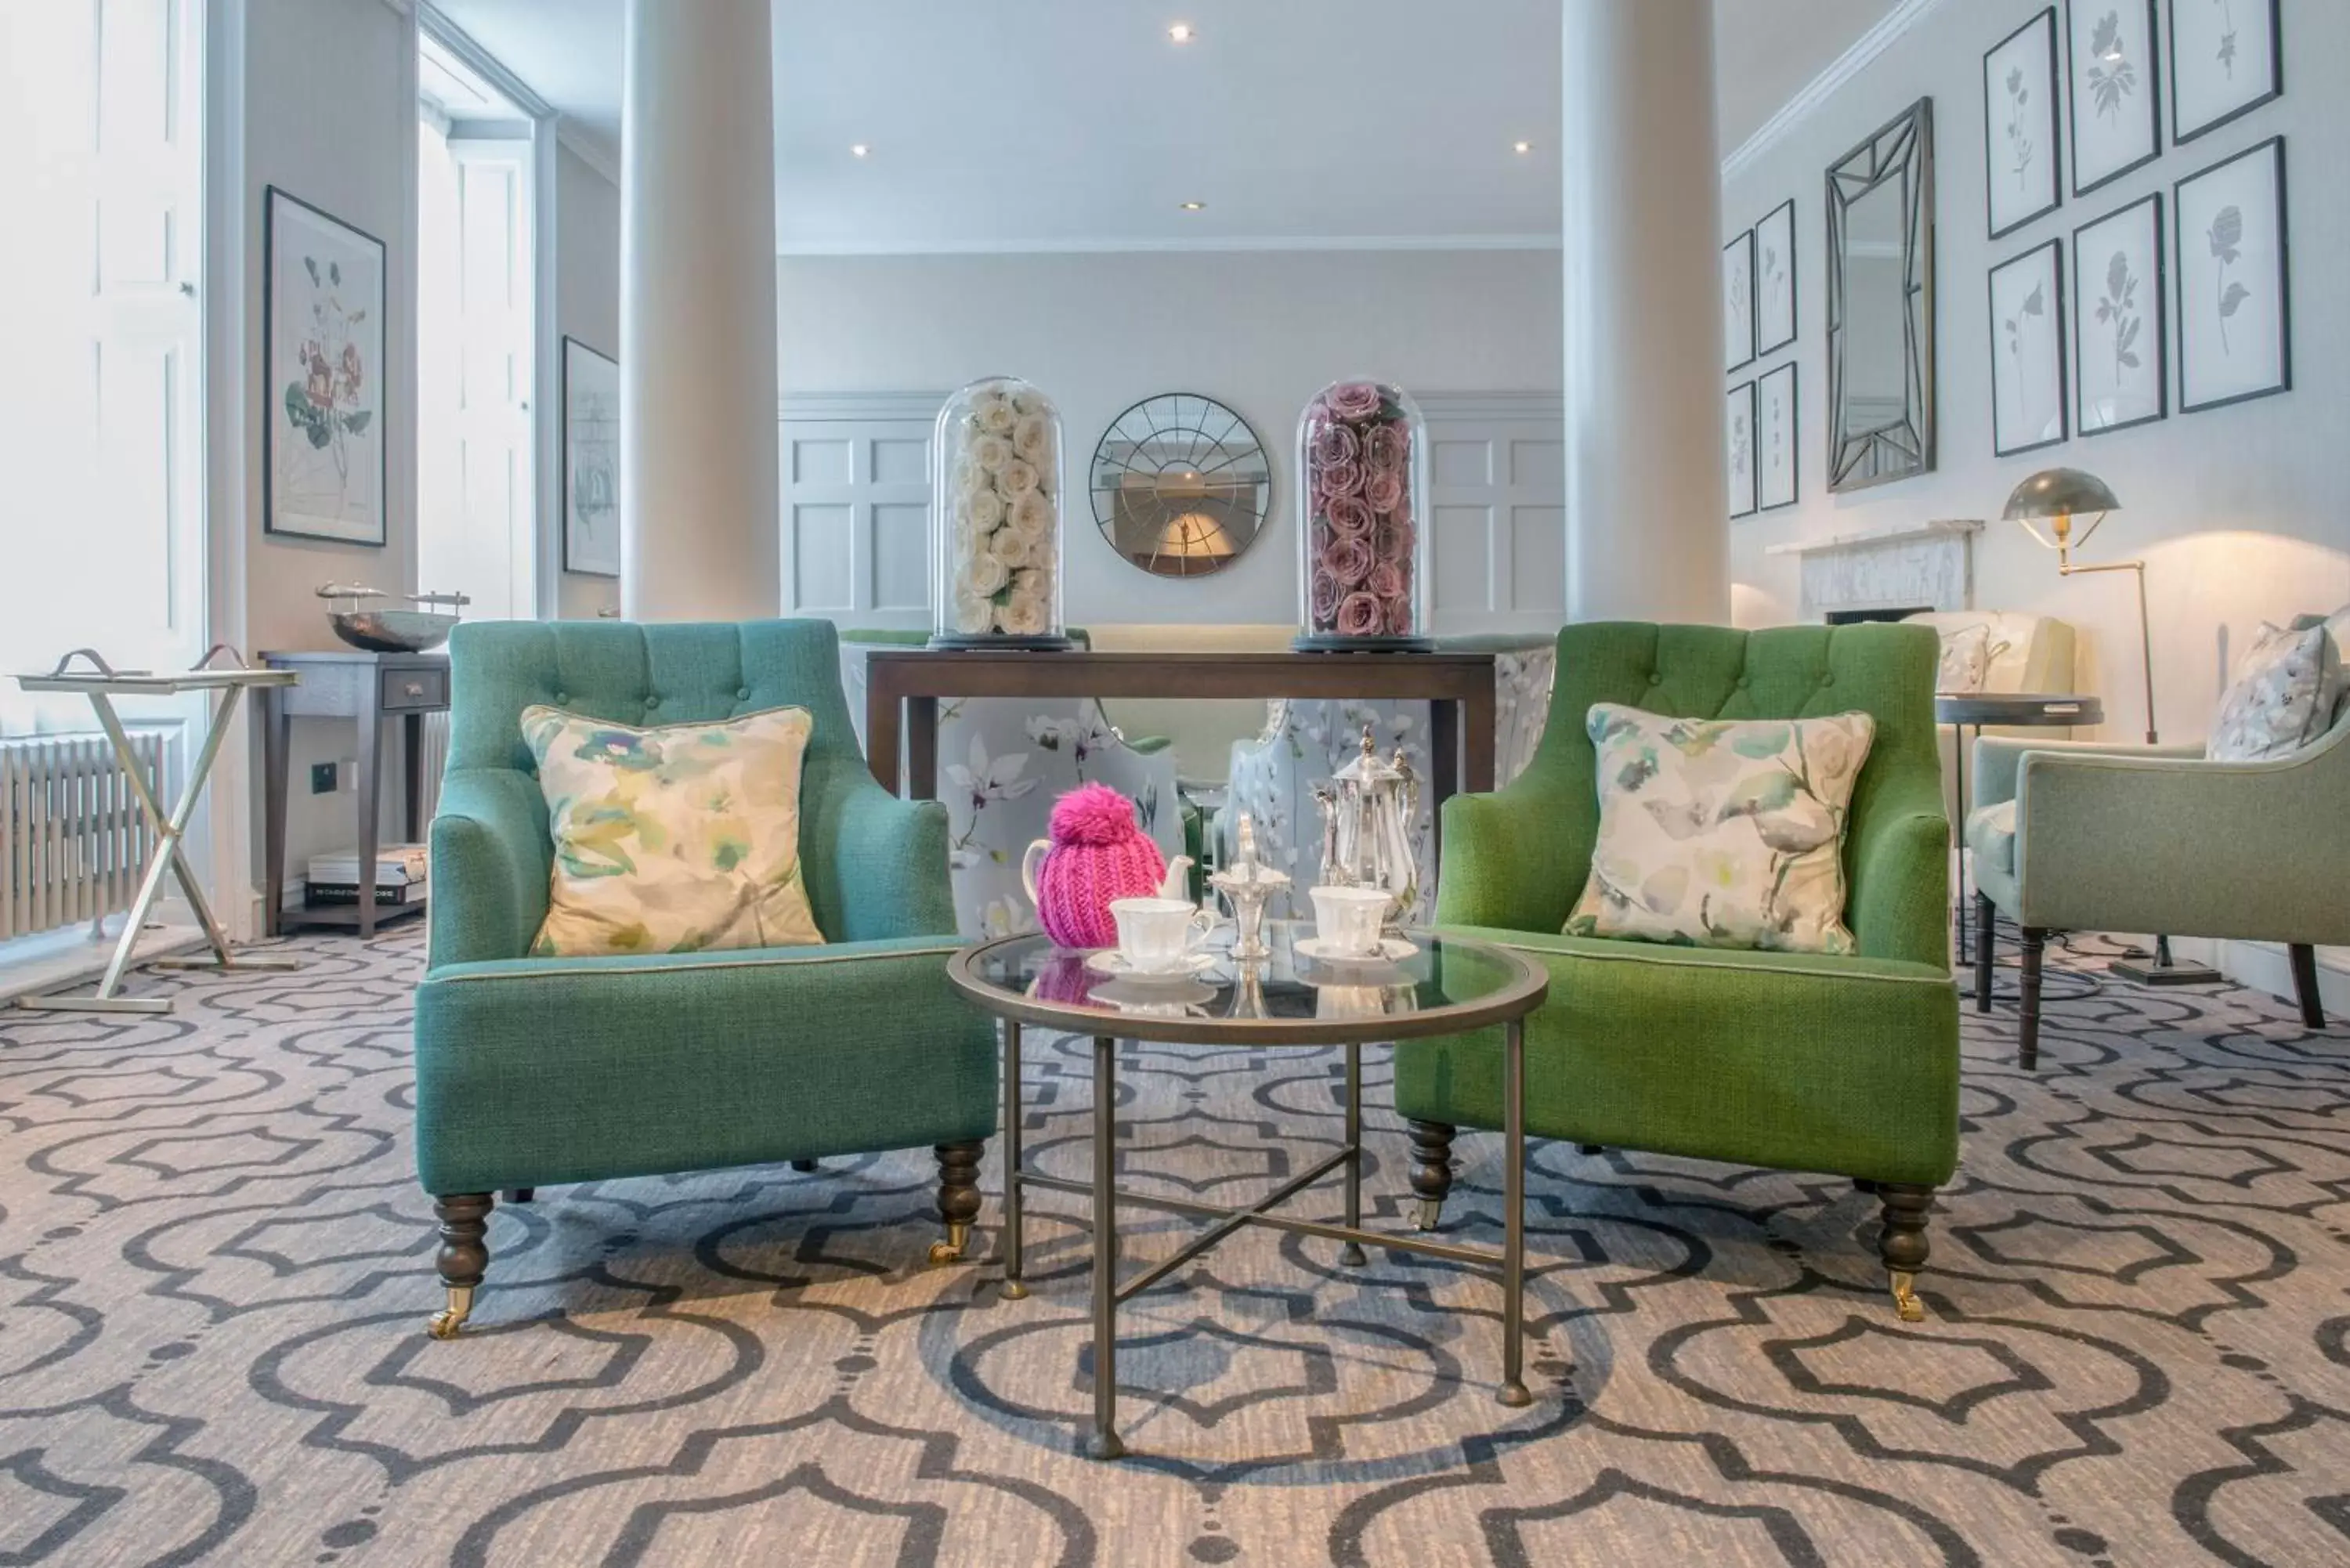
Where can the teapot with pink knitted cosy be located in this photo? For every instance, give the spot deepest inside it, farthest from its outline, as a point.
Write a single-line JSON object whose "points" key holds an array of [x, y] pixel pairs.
{"points": [[1097, 852]]}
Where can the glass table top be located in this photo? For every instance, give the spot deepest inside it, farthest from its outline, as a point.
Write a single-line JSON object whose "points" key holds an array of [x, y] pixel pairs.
{"points": [[1441, 985]]}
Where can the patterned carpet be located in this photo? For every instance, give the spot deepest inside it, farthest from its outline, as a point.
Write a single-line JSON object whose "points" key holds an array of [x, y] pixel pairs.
{"points": [[214, 1270]]}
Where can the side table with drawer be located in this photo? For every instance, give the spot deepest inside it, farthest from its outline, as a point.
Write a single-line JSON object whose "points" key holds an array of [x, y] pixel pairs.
{"points": [[367, 688]]}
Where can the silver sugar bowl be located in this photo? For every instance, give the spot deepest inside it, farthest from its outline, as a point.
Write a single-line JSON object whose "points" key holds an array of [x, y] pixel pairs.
{"points": [[1248, 884]]}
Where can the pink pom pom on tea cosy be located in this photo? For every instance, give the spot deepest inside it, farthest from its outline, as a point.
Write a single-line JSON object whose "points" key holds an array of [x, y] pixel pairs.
{"points": [[1099, 853]]}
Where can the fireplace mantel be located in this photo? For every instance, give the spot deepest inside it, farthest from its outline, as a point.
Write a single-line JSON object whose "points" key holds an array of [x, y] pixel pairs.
{"points": [[1906, 566]]}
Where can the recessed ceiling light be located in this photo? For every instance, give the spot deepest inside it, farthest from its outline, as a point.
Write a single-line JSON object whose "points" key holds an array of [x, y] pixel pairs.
{"points": [[1195, 206], [859, 149], [1523, 146], [1180, 32]]}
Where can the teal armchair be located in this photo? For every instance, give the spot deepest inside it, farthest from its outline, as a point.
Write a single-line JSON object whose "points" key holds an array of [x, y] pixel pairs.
{"points": [[533, 1070], [2087, 835], [1796, 1061]]}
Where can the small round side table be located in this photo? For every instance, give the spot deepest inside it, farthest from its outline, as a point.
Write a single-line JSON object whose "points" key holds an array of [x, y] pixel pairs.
{"points": [[1979, 710]]}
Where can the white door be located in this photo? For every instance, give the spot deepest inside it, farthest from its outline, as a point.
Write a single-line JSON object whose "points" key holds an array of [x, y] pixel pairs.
{"points": [[1497, 496], [855, 516]]}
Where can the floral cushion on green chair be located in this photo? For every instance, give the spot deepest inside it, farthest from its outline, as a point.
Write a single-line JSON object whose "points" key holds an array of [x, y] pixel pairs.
{"points": [[1722, 833], [680, 838], [2282, 698]]}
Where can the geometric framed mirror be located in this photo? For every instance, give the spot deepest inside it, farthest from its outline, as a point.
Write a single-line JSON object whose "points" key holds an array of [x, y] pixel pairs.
{"points": [[1880, 200], [1182, 485]]}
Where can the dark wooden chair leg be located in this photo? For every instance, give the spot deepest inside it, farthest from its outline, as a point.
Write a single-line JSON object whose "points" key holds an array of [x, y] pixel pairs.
{"points": [[1591, 1149], [2304, 984], [2027, 1037], [803, 1166], [1902, 1242], [520, 1194], [958, 1195], [1431, 1169], [1986, 937], [465, 1256]]}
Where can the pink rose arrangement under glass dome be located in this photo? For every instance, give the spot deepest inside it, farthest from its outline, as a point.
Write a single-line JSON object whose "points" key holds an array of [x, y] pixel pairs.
{"points": [[1362, 573]]}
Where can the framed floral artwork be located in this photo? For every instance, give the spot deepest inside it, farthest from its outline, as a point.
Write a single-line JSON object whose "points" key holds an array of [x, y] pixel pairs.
{"points": [[323, 465], [1738, 430], [2111, 67], [2235, 287], [2028, 408], [1738, 302], [2226, 58], [2121, 373], [1774, 279], [2019, 178], [1778, 455], [591, 461]]}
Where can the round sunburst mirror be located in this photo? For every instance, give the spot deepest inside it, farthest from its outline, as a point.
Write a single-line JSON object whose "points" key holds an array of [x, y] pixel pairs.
{"points": [[1182, 485]]}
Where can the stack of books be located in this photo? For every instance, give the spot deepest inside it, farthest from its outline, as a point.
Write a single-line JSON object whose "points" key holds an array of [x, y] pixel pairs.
{"points": [[402, 878]]}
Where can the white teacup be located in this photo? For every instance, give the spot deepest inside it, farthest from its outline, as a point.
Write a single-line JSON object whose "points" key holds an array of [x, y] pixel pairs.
{"points": [[1348, 919], [1158, 934]]}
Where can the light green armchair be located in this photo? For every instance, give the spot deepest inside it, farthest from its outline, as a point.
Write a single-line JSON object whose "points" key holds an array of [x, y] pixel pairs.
{"points": [[1795, 1061], [2084, 836]]}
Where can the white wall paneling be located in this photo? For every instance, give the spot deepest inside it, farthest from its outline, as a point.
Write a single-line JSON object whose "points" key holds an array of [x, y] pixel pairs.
{"points": [[856, 471], [1497, 496]]}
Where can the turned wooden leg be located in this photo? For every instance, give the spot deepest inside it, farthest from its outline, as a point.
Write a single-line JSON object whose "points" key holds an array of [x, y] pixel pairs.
{"points": [[464, 1254], [2304, 984], [1591, 1149], [1432, 1168], [520, 1194], [803, 1166], [2027, 1037], [1986, 937], [1902, 1243], [958, 1195]]}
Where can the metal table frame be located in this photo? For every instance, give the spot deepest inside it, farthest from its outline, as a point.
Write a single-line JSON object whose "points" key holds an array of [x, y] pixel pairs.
{"points": [[1508, 1007], [101, 684]]}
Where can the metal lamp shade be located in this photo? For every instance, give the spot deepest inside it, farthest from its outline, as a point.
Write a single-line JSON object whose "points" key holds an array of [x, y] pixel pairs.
{"points": [[2060, 492]]}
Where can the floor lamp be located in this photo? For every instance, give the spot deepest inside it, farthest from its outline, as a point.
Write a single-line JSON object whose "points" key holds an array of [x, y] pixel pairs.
{"points": [[2056, 496]]}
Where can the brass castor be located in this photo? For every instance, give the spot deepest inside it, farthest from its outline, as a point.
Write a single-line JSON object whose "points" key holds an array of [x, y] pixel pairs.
{"points": [[1902, 1243], [1905, 1297], [1430, 1215], [1015, 1290], [444, 1323], [950, 1250]]}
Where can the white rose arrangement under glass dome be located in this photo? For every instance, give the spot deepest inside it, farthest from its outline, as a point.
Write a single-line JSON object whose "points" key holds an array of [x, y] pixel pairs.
{"points": [[995, 518]]}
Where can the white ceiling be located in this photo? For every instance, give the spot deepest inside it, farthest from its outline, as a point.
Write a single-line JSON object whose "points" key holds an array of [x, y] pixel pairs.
{"points": [[1077, 124]]}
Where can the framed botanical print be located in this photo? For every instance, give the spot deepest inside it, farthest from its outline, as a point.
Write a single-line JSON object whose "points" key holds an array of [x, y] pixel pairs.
{"points": [[591, 461], [2121, 341], [1738, 302], [2116, 118], [2235, 301], [1778, 463], [2226, 58], [1738, 429], [2019, 178], [323, 464], [1774, 279], [2028, 408]]}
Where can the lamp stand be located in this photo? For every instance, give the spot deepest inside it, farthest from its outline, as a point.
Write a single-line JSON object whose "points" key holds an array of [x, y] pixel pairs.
{"points": [[2164, 970]]}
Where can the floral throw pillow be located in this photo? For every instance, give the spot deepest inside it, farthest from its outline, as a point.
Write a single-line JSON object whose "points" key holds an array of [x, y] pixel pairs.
{"points": [[1722, 833], [1966, 660], [682, 838], [2281, 697]]}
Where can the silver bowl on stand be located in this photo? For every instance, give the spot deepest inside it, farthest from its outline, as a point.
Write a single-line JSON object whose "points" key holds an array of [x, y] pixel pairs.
{"points": [[363, 623]]}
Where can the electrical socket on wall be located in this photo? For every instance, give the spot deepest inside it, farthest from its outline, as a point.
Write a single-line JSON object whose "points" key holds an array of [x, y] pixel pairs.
{"points": [[322, 778]]}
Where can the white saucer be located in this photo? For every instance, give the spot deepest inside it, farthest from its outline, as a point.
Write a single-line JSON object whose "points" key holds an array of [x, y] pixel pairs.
{"points": [[1161, 996], [1110, 961], [1391, 951]]}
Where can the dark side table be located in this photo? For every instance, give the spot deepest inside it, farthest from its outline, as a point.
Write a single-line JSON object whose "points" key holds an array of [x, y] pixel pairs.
{"points": [[367, 688], [1979, 710]]}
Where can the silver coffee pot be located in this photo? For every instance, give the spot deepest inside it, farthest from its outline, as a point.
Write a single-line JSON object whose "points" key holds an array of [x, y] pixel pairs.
{"points": [[1368, 808]]}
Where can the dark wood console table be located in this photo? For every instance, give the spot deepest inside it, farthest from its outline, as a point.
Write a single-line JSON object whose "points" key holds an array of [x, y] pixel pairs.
{"points": [[903, 685], [369, 688]]}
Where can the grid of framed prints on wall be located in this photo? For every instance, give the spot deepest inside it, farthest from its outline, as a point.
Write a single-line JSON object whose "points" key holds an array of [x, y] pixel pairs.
{"points": [[1778, 463], [2235, 307], [2226, 58], [2019, 135], [2110, 56], [2027, 351], [1738, 302], [2121, 371], [1738, 425]]}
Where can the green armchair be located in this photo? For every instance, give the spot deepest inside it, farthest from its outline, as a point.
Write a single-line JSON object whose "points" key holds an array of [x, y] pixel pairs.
{"points": [[532, 1071], [1795, 1061], [2086, 835]]}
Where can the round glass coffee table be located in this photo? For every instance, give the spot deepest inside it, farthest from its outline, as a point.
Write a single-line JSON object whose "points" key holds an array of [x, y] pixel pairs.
{"points": [[1443, 986]]}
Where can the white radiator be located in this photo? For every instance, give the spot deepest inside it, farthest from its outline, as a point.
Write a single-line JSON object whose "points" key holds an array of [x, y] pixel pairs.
{"points": [[73, 839], [435, 762]]}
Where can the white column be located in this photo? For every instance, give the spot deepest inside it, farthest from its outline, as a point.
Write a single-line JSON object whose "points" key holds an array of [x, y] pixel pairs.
{"points": [[1648, 535], [699, 487]]}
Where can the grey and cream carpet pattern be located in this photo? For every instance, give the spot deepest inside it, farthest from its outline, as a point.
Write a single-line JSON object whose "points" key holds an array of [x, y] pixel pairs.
{"points": [[215, 1271]]}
